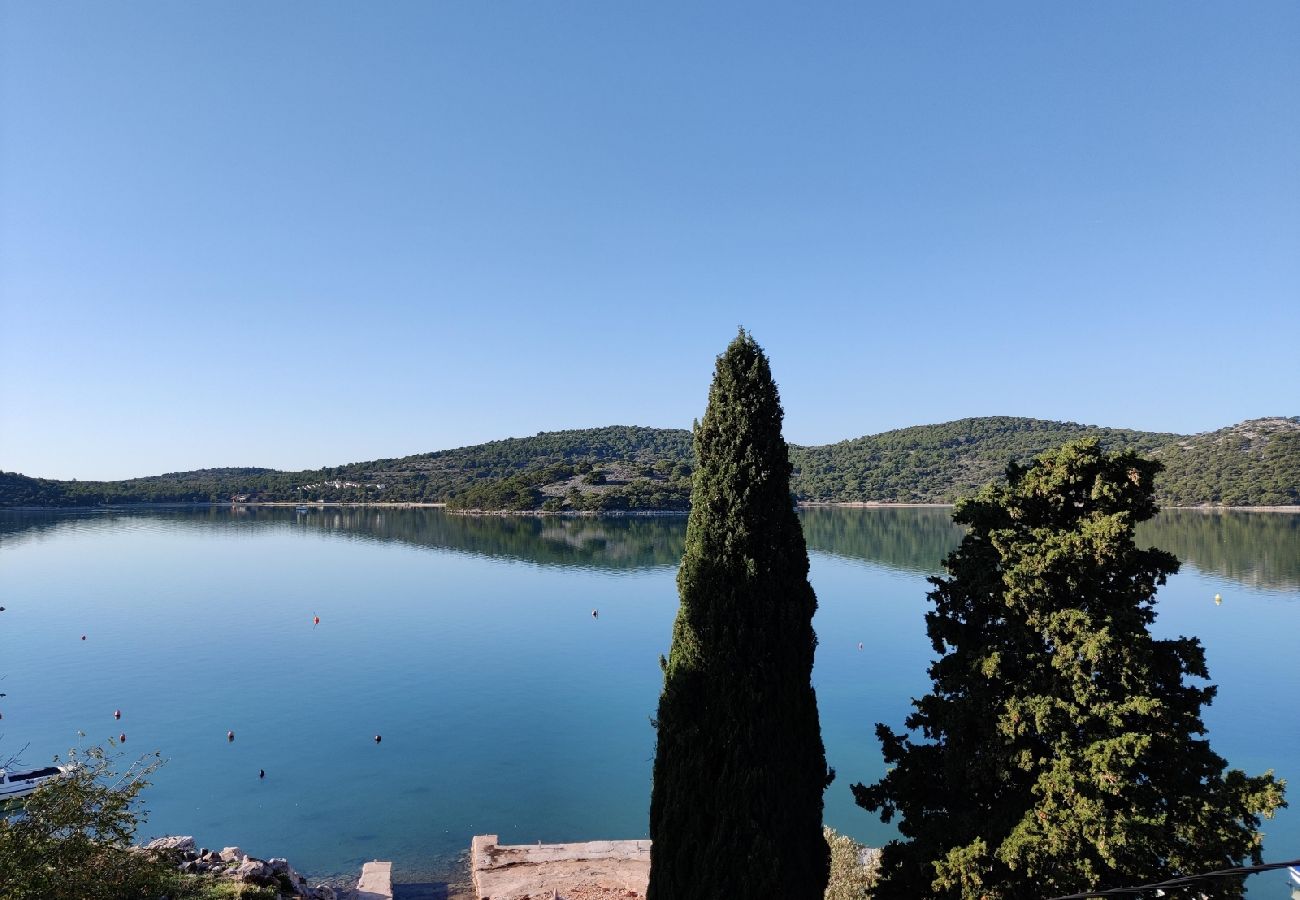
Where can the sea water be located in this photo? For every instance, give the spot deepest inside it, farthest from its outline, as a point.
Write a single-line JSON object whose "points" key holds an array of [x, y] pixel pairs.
{"points": [[509, 664]]}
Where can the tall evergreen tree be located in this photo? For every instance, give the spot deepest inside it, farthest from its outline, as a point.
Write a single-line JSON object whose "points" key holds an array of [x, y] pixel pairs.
{"points": [[1064, 749], [739, 773]]}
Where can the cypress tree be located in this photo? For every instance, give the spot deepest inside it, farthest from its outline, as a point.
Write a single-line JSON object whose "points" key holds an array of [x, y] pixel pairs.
{"points": [[736, 809], [1063, 749]]}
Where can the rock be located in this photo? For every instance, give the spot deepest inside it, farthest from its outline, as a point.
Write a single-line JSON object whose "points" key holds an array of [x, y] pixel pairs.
{"points": [[254, 871], [323, 892], [172, 842], [280, 866], [230, 854]]}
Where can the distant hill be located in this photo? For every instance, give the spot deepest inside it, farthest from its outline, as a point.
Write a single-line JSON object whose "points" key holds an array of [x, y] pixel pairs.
{"points": [[1253, 463], [939, 463]]}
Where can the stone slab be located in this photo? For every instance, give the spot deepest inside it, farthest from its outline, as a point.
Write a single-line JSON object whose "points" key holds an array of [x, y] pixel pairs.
{"points": [[376, 882], [591, 870]]}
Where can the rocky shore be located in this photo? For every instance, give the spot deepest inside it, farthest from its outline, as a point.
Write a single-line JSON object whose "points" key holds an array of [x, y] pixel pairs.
{"points": [[594, 870], [233, 864]]}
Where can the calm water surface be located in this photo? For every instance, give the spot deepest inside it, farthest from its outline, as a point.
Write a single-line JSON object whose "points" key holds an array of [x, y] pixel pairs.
{"points": [[504, 706]]}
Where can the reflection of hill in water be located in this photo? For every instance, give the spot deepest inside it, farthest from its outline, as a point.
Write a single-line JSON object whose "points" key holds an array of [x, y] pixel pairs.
{"points": [[912, 539], [1257, 549], [22, 526], [619, 544], [616, 544], [1260, 550]]}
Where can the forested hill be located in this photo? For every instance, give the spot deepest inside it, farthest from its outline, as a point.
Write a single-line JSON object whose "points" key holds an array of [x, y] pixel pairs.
{"points": [[1254, 463], [938, 463]]}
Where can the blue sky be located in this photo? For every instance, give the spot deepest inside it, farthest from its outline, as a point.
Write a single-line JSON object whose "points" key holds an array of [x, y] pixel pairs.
{"points": [[301, 234]]}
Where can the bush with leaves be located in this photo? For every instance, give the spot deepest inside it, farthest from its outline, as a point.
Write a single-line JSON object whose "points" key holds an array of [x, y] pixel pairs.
{"points": [[853, 867], [72, 838]]}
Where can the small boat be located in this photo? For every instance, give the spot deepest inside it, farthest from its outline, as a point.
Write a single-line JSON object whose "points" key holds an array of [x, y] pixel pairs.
{"points": [[20, 784], [300, 509], [1295, 873]]}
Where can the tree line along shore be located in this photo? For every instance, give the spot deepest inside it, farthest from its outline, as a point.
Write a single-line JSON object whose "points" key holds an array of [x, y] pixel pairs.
{"points": [[1253, 464]]}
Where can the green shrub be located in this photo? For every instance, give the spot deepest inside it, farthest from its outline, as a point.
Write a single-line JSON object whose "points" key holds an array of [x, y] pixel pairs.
{"points": [[73, 838], [853, 868]]}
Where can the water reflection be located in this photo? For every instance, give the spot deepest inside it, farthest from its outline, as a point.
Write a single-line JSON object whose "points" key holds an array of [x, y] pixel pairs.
{"points": [[613, 543], [1259, 550], [911, 539]]}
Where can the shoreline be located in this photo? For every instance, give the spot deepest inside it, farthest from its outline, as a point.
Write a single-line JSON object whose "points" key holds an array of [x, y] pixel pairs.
{"points": [[414, 504], [869, 504], [209, 504]]}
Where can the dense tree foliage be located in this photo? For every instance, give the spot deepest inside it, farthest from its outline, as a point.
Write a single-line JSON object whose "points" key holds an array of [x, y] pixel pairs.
{"points": [[1255, 463], [939, 463], [585, 487], [739, 771], [1063, 748]]}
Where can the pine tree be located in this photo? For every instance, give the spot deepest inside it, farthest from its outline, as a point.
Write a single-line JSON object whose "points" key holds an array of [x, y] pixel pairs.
{"points": [[739, 772], [1064, 750]]}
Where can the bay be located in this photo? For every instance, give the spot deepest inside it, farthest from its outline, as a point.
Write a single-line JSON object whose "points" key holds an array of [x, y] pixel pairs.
{"points": [[505, 706]]}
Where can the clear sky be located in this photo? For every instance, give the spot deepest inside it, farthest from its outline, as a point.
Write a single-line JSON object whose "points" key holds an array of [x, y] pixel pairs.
{"points": [[298, 234]]}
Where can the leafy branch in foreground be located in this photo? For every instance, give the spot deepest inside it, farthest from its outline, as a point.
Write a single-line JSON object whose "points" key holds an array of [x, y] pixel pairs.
{"points": [[72, 838]]}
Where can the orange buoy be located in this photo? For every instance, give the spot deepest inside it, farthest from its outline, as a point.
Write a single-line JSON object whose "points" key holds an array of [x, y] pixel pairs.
{"points": [[315, 620], [117, 714]]}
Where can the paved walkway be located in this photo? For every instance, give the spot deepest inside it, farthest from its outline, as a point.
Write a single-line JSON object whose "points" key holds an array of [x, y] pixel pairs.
{"points": [[595, 870], [376, 882]]}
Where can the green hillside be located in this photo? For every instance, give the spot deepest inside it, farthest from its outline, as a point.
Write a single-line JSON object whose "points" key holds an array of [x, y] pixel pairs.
{"points": [[939, 463], [1254, 463], [659, 457]]}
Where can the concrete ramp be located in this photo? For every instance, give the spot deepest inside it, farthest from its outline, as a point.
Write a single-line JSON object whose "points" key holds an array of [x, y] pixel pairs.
{"points": [[595, 870], [376, 882]]}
